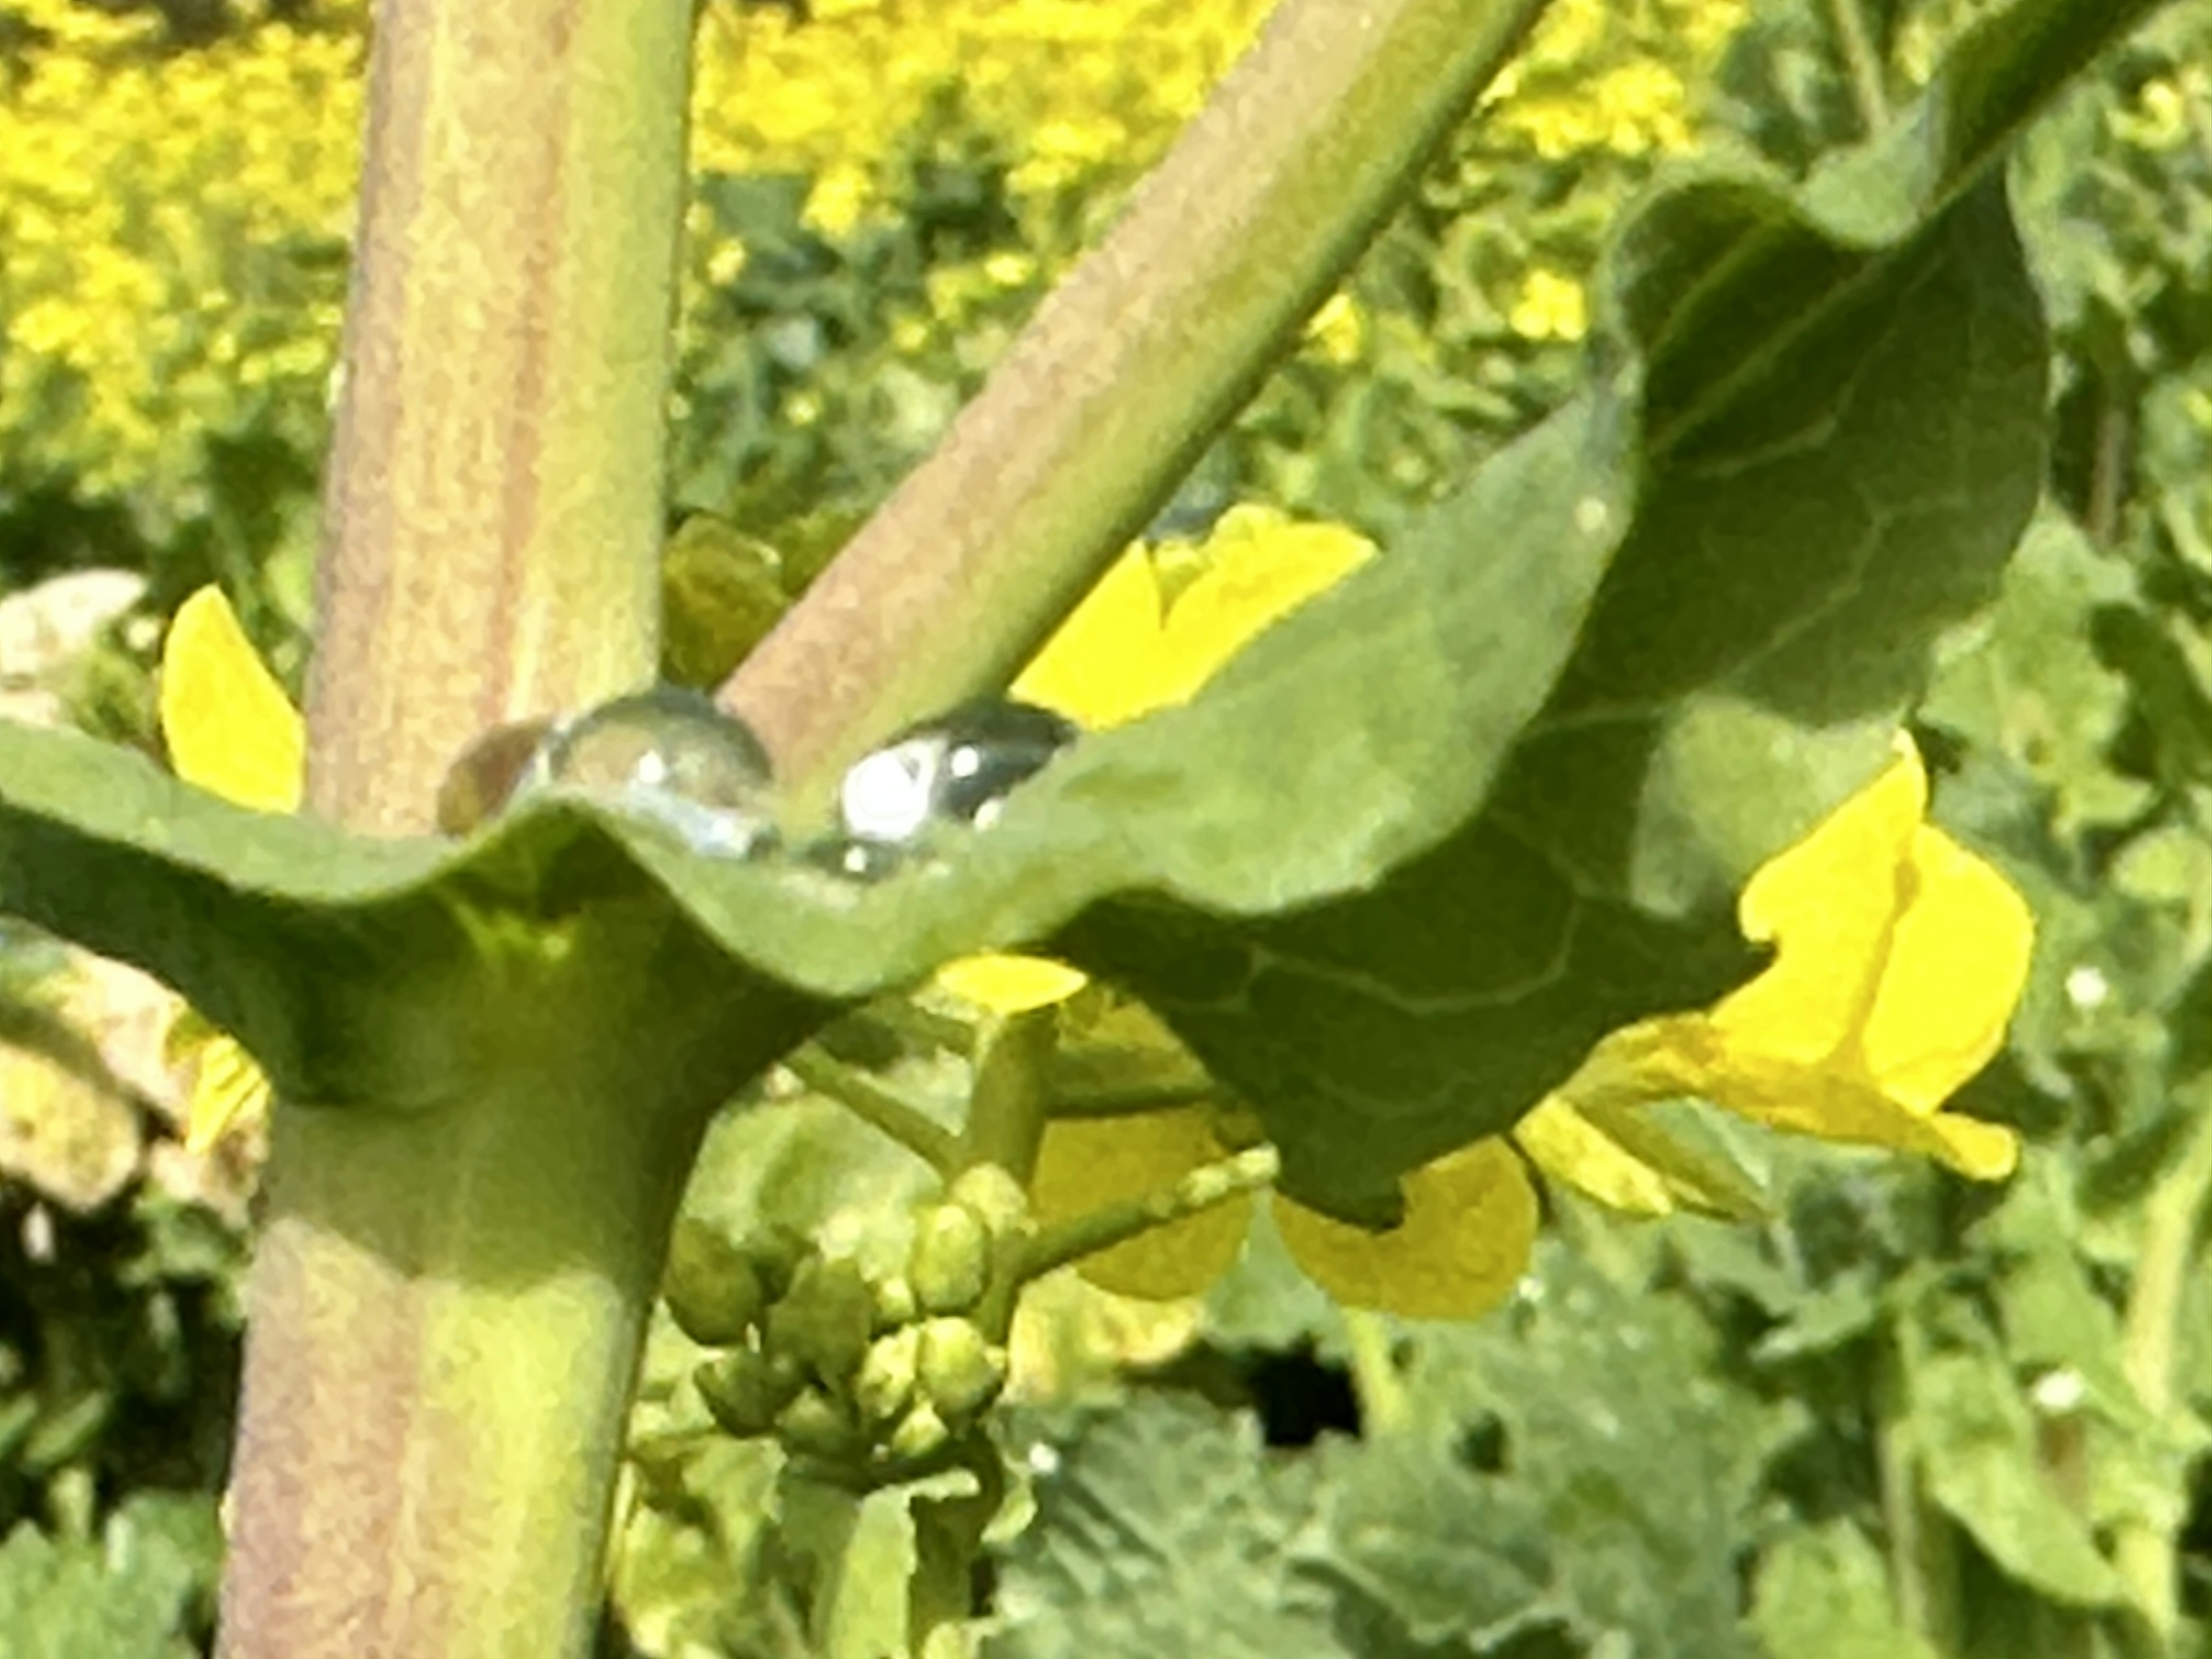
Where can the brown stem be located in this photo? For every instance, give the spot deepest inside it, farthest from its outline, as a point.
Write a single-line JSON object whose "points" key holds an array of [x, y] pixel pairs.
{"points": [[492, 512], [1128, 370]]}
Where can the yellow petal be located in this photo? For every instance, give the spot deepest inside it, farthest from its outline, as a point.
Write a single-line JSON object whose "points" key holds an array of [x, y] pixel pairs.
{"points": [[1829, 905], [1956, 970], [1569, 1147], [1690, 1056], [1469, 1224], [1264, 567], [228, 1092], [1085, 1163], [228, 725], [1100, 669], [1837, 1105], [1011, 985], [1900, 957], [189, 1032]]}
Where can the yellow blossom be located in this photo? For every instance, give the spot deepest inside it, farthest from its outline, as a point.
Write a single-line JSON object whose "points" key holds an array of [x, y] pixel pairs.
{"points": [[1900, 958], [231, 730], [1551, 307]]}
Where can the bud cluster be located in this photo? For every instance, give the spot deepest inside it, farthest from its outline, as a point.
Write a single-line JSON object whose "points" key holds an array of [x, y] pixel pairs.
{"points": [[879, 1375]]}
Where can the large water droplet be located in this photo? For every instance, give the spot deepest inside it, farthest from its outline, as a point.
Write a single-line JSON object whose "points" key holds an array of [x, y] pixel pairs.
{"points": [[670, 755], [954, 772]]}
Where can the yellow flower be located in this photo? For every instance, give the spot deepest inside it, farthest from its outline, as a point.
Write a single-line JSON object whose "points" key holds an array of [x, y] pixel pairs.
{"points": [[1900, 957], [231, 730], [1125, 651], [1551, 307]]}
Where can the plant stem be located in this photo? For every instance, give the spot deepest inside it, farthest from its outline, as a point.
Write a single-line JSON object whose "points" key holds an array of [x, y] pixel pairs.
{"points": [[484, 1410], [1384, 1404], [1116, 1223], [1863, 62], [1923, 1561], [1132, 1100], [877, 1106], [2145, 1554], [1006, 1102], [492, 508], [446, 1307], [1128, 369]]}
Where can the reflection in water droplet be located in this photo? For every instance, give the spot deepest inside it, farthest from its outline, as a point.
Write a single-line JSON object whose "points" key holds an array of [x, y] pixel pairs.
{"points": [[671, 755], [855, 860], [951, 773]]}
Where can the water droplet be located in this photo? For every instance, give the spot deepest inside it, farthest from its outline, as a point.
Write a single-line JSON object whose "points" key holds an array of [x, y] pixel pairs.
{"points": [[955, 772], [488, 772], [670, 755]]}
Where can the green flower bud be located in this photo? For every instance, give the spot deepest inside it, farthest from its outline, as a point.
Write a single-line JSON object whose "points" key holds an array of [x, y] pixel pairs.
{"points": [[776, 1252], [950, 1261], [995, 1196], [895, 1304], [745, 1391], [824, 1320], [920, 1433], [813, 1424], [960, 1373], [886, 1380], [712, 1289]]}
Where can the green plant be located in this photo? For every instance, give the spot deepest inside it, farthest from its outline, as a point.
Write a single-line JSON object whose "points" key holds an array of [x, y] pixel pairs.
{"points": [[1815, 419]]}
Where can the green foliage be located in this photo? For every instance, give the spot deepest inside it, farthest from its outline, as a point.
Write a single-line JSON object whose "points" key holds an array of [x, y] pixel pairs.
{"points": [[140, 1590], [1820, 332], [1898, 1419]]}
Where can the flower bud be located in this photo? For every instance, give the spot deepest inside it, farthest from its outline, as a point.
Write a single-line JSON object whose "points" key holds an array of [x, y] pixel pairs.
{"points": [[712, 1289], [995, 1196], [745, 1391], [887, 1375], [824, 1320], [950, 1261], [814, 1425], [959, 1372], [896, 1305], [920, 1433]]}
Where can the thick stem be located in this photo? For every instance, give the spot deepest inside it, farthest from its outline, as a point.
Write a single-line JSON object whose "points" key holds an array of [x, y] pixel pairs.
{"points": [[448, 1303], [448, 1311], [493, 509], [1126, 372]]}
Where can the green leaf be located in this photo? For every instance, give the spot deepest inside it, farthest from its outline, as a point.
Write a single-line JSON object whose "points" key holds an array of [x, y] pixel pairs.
{"points": [[1823, 1593], [1846, 443], [130, 1595], [2030, 686], [1439, 1551], [1412, 852], [1980, 1458], [1639, 1465], [721, 593], [1162, 1529]]}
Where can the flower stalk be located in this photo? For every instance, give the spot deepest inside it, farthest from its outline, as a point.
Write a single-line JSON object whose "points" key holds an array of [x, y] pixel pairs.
{"points": [[1128, 369]]}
